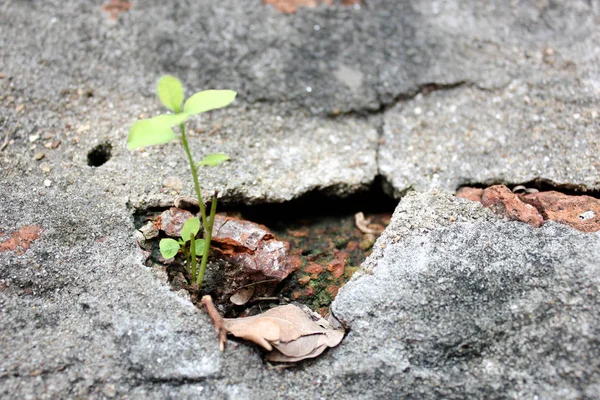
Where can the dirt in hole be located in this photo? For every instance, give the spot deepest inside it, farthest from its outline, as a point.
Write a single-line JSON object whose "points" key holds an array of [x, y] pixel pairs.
{"points": [[327, 246]]}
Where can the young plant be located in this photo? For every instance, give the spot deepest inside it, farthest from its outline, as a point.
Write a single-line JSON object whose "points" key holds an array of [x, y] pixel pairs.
{"points": [[159, 130], [170, 247]]}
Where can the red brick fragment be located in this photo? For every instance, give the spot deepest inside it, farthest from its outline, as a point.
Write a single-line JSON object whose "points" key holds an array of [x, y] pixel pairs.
{"points": [[254, 248], [314, 269], [172, 220], [503, 201], [116, 7], [338, 264], [290, 6], [470, 193], [304, 280], [333, 290], [579, 212], [21, 239]]}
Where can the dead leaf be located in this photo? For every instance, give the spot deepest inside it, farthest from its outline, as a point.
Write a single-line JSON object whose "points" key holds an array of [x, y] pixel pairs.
{"points": [[290, 333], [363, 224], [242, 296], [217, 320]]}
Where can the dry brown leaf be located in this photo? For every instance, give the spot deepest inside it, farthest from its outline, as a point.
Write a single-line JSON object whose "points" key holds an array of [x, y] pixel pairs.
{"points": [[261, 331], [291, 333], [242, 296], [363, 224], [217, 320], [277, 356]]}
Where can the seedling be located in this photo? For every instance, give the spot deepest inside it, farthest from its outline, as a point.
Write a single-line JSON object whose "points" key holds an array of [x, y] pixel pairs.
{"points": [[159, 130]]}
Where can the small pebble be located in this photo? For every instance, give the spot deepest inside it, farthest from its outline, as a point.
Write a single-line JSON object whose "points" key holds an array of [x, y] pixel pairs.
{"points": [[45, 168], [109, 390], [47, 182], [33, 138], [82, 128], [173, 182], [20, 108], [53, 144], [39, 156]]}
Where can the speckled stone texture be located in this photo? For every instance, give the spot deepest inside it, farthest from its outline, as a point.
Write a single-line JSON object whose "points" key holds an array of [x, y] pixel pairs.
{"points": [[453, 303]]}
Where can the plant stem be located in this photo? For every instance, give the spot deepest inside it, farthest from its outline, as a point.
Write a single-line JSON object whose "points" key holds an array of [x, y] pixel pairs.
{"points": [[207, 239], [193, 255], [207, 225], [194, 175]]}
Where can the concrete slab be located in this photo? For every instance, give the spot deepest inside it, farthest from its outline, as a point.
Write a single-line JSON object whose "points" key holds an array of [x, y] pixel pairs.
{"points": [[327, 102]]}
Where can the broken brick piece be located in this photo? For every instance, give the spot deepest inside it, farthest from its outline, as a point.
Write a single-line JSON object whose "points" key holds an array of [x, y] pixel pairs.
{"points": [[21, 239], [579, 212], [314, 270], [234, 232], [338, 264], [172, 220], [116, 7], [470, 193], [333, 290], [253, 248], [503, 201]]}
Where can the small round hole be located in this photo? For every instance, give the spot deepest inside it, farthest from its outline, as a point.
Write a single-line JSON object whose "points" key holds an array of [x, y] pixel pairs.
{"points": [[99, 154]]}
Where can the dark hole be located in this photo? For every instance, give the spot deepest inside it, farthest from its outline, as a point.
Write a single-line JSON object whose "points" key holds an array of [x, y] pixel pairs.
{"points": [[99, 154], [318, 203]]}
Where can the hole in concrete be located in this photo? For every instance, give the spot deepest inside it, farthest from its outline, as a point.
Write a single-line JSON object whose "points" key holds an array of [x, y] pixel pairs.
{"points": [[99, 155], [324, 240]]}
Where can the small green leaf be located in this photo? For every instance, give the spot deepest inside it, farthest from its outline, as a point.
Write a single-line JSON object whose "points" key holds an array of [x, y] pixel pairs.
{"points": [[212, 160], [157, 130], [199, 244], [192, 225], [170, 92], [208, 100], [168, 248]]}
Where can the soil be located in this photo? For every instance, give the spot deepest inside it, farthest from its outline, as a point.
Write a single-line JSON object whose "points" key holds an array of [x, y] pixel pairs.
{"points": [[330, 247]]}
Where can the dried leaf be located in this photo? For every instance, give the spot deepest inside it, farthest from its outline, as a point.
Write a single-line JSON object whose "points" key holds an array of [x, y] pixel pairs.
{"points": [[242, 296], [363, 224], [261, 331], [291, 333], [217, 320]]}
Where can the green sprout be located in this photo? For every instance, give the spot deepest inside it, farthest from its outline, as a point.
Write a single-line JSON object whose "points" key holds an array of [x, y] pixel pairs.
{"points": [[159, 130]]}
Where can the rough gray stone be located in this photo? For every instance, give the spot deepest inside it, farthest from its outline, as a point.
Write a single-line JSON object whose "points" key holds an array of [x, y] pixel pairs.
{"points": [[474, 308], [81, 317], [519, 134]]}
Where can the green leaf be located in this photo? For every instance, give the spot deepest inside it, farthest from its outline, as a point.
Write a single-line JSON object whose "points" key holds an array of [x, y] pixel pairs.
{"points": [[208, 100], [168, 248], [170, 92], [157, 130], [212, 160], [192, 225], [199, 244]]}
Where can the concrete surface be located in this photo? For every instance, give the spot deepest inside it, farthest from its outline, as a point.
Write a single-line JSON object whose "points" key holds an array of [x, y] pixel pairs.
{"points": [[426, 94]]}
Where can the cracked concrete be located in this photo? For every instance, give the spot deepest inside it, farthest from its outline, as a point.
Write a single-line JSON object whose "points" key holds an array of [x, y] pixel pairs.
{"points": [[425, 94]]}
